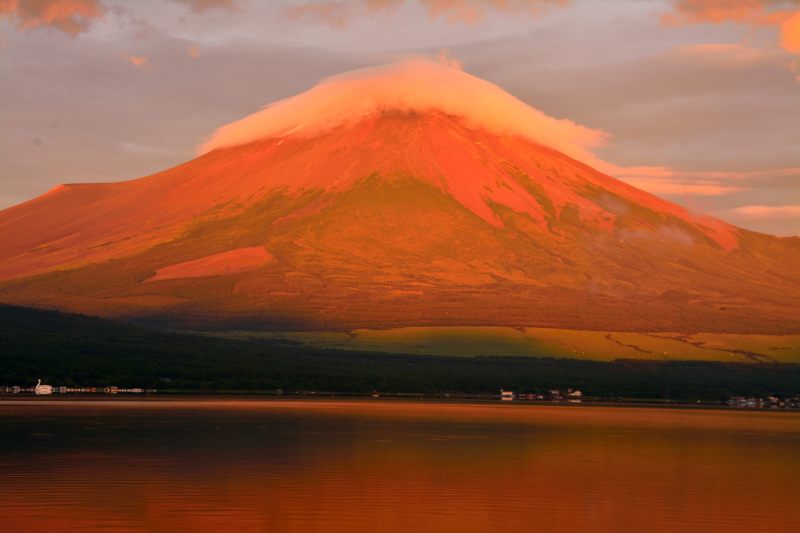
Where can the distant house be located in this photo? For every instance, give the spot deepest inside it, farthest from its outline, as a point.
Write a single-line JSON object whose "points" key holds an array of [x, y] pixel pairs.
{"points": [[574, 393], [506, 395]]}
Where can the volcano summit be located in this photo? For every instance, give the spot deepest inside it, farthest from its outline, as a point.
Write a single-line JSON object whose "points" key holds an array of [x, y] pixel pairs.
{"points": [[413, 194]]}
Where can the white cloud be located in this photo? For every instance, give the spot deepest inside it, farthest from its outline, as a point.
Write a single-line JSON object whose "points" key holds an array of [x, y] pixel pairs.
{"points": [[413, 85]]}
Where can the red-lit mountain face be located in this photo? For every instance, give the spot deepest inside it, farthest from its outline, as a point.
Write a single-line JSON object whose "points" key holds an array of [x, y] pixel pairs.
{"points": [[404, 218]]}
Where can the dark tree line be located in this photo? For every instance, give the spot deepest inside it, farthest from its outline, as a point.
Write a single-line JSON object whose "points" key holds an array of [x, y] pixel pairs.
{"points": [[76, 350]]}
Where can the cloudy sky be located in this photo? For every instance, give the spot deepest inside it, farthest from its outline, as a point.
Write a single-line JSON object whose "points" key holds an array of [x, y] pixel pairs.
{"points": [[700, 98]]}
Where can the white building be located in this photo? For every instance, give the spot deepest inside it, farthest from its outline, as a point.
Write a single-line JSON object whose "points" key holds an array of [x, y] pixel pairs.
{"points": [[40, 389]]}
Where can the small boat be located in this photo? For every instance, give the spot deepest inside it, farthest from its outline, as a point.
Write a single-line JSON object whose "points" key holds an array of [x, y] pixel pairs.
{"points": [[42, 389]]}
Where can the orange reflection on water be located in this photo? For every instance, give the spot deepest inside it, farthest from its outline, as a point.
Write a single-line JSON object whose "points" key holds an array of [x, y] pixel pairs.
{"points": [[396, 466]]}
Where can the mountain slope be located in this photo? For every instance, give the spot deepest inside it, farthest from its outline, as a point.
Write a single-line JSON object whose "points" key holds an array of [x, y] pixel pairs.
{"points": [[400, 218]]}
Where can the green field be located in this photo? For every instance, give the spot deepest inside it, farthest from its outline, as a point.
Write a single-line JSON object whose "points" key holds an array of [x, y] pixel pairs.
{"points": [[544, 342]]}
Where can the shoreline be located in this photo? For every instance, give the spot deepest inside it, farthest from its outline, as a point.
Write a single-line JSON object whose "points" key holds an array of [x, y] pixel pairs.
{"points": [[256, 397]]}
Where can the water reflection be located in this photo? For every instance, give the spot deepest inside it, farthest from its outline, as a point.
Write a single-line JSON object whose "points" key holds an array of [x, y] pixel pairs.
{"points": [[394, 466]]}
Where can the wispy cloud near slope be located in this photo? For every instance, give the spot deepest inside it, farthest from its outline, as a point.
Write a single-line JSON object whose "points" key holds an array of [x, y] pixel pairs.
{"points": [[666, 181], [766, 211]]}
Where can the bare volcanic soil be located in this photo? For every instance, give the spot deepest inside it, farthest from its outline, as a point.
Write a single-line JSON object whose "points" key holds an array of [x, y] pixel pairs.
{"points": [[404, 219]]}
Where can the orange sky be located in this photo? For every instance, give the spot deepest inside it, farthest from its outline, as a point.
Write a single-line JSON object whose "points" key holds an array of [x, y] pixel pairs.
{"points": [[699, 98]]}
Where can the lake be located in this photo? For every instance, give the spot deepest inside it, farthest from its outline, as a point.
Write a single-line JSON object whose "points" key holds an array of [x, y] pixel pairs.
{"points": [[384, 465]]}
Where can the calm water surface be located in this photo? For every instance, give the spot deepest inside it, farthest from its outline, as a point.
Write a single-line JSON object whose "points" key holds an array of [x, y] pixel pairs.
{"points": [[351, 466]]}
